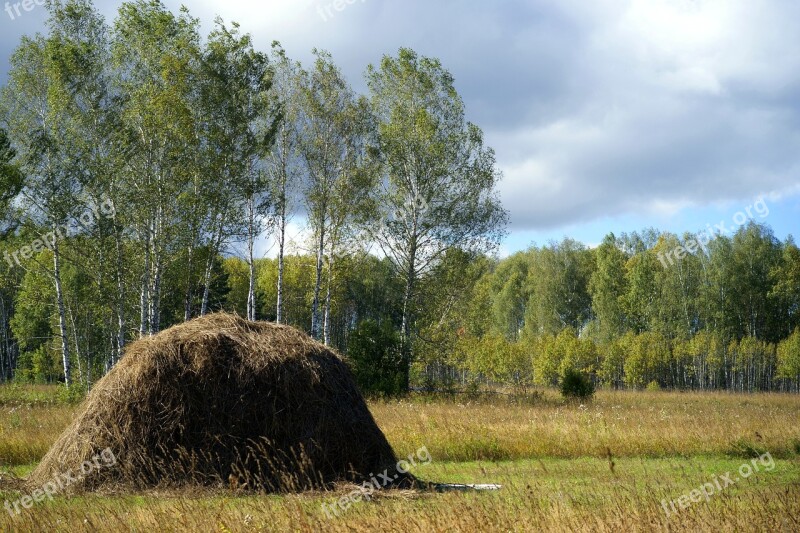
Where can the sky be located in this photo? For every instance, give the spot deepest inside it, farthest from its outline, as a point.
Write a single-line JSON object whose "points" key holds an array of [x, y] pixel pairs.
{"points": [[605, 115]]}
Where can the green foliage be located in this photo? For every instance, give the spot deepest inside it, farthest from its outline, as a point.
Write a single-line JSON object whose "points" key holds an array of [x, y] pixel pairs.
{"points": [[153, 117], [496, 358], [641, 301], [441, 180], [374, 354], [575, 384], [608, 287], [552, 356], [38, 366], [34, 314], [11, 182], [298, 287], [547, 357], [73, 395], [612, 367], [789, 356], [747, 449], [557, 287], [647, 359], [785, 293], [238, 277], [510, 295]]}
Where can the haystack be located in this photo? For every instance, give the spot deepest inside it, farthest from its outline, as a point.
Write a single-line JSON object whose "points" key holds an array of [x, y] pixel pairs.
{"points": [[221, 401]]}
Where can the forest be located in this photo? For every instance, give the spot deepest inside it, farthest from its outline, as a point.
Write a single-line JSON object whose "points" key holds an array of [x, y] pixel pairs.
{"points": [[142, 165]]}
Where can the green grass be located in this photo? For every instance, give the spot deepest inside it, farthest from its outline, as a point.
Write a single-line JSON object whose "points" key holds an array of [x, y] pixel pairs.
{"points": [[33, 395], [534, 489]]}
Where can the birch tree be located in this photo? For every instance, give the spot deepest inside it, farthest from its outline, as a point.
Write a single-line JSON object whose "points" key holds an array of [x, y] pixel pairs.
{"points": [[79, 40], [34, 104], [439, 180], [11, 182], [329, 144], [154, 54], [238, 126], [282, 162]]}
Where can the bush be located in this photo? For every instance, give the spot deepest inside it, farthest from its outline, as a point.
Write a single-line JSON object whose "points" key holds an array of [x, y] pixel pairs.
{"points": [[653, 386], [375, 357], [575, 384], [75, 394]]}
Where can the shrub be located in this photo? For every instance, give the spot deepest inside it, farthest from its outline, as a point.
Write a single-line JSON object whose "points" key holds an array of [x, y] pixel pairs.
{"points": [[653, 386], [575, 384], [375, 357], [75, 394]]}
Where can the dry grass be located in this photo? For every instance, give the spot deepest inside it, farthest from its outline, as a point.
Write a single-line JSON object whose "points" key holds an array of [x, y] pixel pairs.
{"points": [[558, 477], [28, 431], [630, 424], [653, 424], [555, 495], [31, 418]]}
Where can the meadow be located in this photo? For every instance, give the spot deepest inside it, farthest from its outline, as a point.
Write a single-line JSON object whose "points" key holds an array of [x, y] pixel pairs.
{"points": [[624, 461]]}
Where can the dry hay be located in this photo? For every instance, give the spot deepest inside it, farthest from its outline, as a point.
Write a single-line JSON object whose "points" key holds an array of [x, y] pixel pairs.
{"points": [[221, 401]]}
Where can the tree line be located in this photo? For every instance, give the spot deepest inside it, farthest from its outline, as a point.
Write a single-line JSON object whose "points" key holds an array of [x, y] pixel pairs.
{"points": [[724, 316], [141, 163], [197, 146]]}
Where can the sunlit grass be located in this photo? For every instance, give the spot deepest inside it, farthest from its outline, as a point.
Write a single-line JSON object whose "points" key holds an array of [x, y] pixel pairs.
{"points": [[551, 494], [603, 466], [629, 424], [28, 431]]}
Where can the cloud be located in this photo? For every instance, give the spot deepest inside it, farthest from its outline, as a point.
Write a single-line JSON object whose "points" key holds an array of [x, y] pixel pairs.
{"points": [[679, 104]]}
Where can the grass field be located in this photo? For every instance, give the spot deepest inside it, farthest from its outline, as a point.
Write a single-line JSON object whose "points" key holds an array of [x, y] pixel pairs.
{"points": [[626, 461]]}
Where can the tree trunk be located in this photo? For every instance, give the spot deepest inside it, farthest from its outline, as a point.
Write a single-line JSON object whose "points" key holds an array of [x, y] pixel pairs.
{"points": [[327, 320], [281, 250], [155, 298], [144, 293], [207, 284], [405, 330], [216, 239], [251, 290], [120, 302], [62, 316], [77, 346], [158, 271], [318, 283], [4, 351], [187, 298]]}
